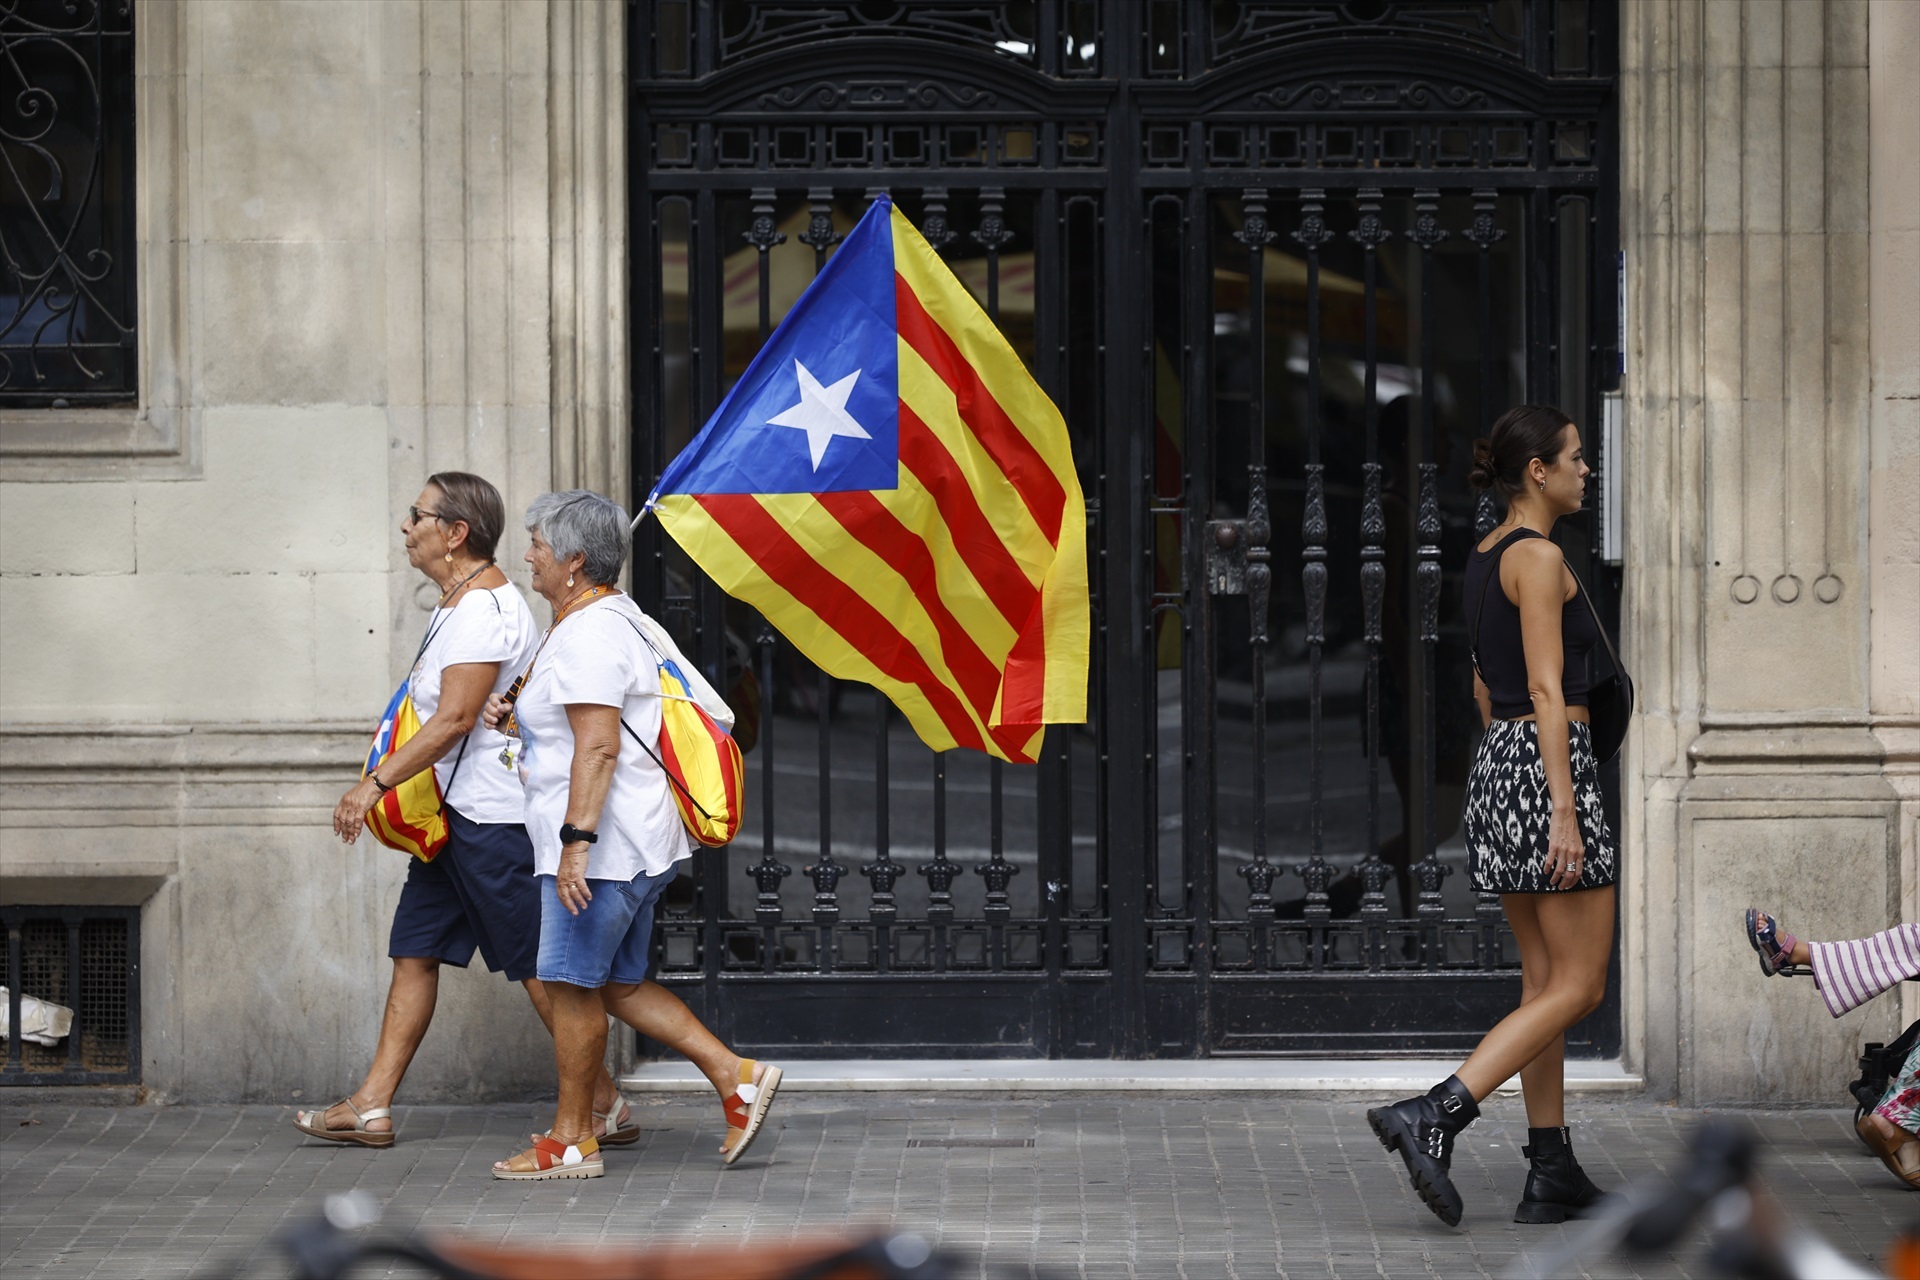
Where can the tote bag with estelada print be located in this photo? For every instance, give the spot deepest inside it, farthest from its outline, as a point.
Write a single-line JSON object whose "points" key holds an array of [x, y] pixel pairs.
{"points": [[412, 816]]}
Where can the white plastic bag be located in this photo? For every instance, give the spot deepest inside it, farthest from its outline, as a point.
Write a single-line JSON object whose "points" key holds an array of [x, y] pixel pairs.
{"points": [[41, 1021]]}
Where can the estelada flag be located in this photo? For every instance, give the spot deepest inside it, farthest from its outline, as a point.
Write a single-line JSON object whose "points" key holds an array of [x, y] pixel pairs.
{"points": [[891, 489]]}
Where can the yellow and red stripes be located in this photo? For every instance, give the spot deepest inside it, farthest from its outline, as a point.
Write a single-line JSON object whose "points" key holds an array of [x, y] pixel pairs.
{"points": [[962, 593]]}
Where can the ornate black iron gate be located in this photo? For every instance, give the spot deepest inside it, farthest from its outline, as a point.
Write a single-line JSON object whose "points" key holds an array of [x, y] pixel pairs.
{"points": [[1278, 263]]}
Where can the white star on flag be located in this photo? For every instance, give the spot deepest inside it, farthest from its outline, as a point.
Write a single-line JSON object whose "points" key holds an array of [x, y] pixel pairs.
{"points": [[821, 413]]}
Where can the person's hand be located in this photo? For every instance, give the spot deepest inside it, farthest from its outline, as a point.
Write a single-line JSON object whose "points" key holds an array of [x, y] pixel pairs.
{"points": [[570, 884], [351, 813], [1566, 852], [494, 711]]}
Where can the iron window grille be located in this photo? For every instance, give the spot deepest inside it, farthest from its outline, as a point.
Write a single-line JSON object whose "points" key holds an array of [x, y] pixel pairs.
{"points": [[67, 301], [86, 960]]}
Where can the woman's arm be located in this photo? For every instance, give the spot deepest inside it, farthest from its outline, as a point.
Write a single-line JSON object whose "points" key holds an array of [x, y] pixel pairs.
{"points": [[1536, 574], [463, 691], [596, 750]]}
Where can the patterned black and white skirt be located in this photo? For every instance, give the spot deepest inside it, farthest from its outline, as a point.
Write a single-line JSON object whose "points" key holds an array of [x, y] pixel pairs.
{"points": [[1508, 810]]}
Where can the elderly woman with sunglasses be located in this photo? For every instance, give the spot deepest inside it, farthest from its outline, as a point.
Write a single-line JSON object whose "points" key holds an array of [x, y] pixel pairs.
{"points": [[607, 836], [478, 892]]}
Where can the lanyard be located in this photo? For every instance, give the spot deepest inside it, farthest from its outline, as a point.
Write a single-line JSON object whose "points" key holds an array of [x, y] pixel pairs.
{"points": [[510, 724]]}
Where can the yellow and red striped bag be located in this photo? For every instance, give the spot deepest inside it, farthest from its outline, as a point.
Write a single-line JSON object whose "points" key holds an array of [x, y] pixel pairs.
{"points": [[704, 768], [708, 777], [412, 816]]}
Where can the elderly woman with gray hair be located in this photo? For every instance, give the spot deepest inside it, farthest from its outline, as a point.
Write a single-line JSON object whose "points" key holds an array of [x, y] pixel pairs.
{"points": [[606, 833]]}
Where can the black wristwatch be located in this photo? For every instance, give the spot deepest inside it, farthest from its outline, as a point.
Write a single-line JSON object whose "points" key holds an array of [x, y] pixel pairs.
{"points": [[570, 834]]}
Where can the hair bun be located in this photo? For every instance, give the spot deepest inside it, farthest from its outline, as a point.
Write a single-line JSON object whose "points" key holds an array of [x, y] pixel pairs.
{"points": [[1484, 473]]}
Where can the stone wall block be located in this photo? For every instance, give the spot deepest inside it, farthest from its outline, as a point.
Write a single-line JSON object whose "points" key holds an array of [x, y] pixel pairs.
{"points": [[1721, 182], [1847, 193], [234, 647], [351, 674], [444, 329], [286, 491], [1723, 38], [291, 159], [1763, 33], [1763, 146], [1803, 35], [67, 528], [1756, 1039], [289, 323], [288, 37], [1847, 22], [1804, 175]]}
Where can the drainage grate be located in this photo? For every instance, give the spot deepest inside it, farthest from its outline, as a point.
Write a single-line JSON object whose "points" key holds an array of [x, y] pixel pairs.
{"points": [[969, 1142], [79, 960]]}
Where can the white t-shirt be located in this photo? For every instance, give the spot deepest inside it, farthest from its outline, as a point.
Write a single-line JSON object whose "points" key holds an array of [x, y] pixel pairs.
{"points": [[595, 656], [488, 625]]}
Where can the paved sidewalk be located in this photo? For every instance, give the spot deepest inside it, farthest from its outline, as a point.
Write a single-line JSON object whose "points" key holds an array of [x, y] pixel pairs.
{"points": [[1135, 1185]]}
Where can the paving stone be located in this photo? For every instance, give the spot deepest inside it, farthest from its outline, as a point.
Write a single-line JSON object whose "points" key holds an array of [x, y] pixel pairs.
{"points": [[1147, 1186]]}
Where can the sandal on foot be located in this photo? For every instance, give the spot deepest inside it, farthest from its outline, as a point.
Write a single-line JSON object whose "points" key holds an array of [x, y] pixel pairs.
{"points": [[1774, 947], [747, 1107], [314, 1125], [547, 1159], [622, 1134]]}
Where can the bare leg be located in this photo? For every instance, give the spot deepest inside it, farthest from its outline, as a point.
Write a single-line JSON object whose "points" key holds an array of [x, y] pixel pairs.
{"points": [[1578, 930], [410, 999], [579, 1047], [1542, 1081], [604, 1094], [656, 1012]]}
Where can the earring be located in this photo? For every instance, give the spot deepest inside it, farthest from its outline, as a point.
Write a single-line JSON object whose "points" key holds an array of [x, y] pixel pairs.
{"points": [[569, 580], [449, 557], [1543, 486]]}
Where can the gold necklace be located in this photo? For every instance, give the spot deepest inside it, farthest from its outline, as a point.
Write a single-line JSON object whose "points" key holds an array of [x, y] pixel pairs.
{"points": [[448, 594]]}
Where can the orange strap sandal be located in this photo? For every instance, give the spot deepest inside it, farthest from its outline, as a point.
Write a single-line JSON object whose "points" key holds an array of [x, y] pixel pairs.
{"points": [[551, 1159], [747, 1106]]}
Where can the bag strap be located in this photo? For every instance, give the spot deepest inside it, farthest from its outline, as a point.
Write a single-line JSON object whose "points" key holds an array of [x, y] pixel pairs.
{"points": [[1493, 576], [1601, 627], [658, 663]]}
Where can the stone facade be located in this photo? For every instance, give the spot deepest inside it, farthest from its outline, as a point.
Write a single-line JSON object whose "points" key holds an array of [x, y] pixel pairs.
{"points": [[384, 238], [1767, 209]]}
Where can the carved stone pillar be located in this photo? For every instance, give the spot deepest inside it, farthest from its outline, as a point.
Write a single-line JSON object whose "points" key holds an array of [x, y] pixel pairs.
{"points": [[1754, 774], [588, 202]]}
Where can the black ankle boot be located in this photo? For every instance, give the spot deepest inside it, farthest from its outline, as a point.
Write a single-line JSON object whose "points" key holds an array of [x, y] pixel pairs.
{"points": [[1557, 1187], [1422, 1131]]}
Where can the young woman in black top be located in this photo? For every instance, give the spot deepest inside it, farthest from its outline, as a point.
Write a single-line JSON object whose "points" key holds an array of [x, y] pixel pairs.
{"points": [[1536, 833]]}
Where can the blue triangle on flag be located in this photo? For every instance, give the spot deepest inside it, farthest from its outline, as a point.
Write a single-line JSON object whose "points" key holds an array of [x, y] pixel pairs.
{"points": [[818, 409]]}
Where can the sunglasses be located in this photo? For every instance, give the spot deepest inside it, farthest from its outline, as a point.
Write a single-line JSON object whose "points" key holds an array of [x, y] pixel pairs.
{"points": [[415, 515]]}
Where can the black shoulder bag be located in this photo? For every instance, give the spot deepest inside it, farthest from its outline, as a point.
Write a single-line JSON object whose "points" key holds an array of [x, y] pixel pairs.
{"points": [[1609, 701]]}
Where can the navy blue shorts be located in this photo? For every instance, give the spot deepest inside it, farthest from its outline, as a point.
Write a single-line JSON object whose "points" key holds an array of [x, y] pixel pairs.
{"points": [[479, 892]]}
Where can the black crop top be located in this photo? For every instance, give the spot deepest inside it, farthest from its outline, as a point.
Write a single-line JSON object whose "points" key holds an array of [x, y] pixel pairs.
{"points": [[1501, 656]]}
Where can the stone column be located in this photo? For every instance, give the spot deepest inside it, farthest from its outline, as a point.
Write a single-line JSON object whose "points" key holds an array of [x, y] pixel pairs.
{"points": [[1754, 776]]}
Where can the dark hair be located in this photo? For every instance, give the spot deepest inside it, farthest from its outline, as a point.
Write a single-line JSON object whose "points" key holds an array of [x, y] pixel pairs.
{"points": [[1523, 433], [465, 496]]}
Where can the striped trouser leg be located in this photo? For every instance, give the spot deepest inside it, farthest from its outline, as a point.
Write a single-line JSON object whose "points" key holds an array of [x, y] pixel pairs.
{"points": [[1851, 973]]}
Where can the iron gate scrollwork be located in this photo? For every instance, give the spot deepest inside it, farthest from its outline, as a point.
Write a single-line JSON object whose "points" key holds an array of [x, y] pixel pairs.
{"points": [[1278, 263]]}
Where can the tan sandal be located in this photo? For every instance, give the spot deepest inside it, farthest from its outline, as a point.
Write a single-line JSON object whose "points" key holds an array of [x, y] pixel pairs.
{"points": [[624, 1134], [746, 1108], [314, 1125], [547, 1159]]}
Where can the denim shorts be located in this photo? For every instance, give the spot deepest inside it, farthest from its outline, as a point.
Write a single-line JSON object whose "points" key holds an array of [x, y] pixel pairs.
{"points": [[479, 892], [609, 940]]}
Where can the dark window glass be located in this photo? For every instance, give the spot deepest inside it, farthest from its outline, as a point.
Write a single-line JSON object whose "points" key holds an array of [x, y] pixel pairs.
{"points": [[66, 203]]}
